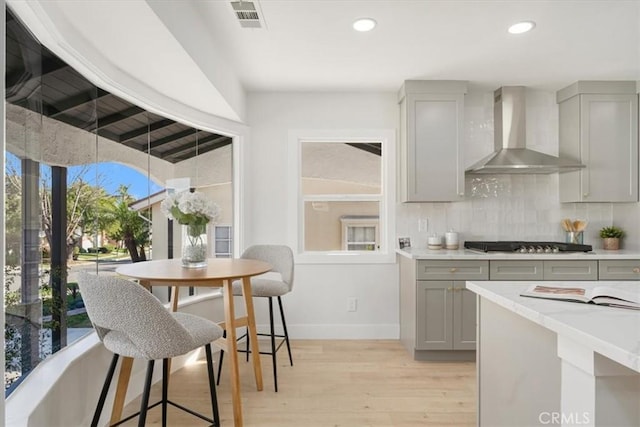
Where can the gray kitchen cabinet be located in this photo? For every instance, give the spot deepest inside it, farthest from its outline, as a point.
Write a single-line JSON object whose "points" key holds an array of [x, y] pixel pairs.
{"points": [[437, 312], [599, 127], [446, 316], [543, 270], [571, 270], [431, 165], [516, 270], [620, 269]]}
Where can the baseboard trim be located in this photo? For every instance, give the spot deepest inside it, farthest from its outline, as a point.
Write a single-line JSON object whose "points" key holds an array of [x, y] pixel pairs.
{"points": [[340, 331]]}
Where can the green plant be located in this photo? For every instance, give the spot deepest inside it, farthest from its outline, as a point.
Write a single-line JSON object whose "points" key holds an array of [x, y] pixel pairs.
{"points": [[612, 231]]}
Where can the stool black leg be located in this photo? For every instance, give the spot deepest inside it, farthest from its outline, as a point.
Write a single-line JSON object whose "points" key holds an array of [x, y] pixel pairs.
{"points": [[224, 335], [212, 386], [273, 345], [145, 395], [286, 334], [248, 345], [165, 390], [105, 390]]}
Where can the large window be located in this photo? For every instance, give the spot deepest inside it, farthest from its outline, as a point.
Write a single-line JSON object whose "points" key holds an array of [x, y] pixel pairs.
{"points": [[85, 173], [343, 187]]}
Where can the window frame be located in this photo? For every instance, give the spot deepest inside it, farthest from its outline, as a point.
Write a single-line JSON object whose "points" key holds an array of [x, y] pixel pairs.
{"points": [[386, 254]]}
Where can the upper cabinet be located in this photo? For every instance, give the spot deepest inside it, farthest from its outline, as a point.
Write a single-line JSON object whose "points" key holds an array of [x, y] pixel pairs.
{"points": [[431, 165], [599, 126]]}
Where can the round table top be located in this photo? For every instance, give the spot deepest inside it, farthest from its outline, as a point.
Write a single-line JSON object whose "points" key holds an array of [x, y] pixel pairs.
{"points": [[171, 270]]}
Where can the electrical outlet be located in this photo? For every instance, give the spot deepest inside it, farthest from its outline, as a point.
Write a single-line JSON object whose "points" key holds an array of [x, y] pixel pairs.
{"points": [[423, 225], [352, 304]]}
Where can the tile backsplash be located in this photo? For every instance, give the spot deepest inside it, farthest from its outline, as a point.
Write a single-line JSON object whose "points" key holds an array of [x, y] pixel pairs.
{"points": [[503, 207]]}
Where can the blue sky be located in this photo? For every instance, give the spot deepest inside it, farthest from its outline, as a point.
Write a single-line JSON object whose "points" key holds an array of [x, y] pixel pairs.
{"points": [[113, 174], [109, 175]]}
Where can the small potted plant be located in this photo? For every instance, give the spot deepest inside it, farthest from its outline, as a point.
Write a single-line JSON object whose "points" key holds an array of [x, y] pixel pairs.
{"points": [[611, 237]]}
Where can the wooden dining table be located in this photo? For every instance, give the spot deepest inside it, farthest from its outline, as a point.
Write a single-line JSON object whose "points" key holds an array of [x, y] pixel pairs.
{"points": [[221, 273]]}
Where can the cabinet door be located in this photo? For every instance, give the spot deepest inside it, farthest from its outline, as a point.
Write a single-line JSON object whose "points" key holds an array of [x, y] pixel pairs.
{"points": [[571, 270], [515, 270], [434, 307], [464, 317], [621, 269], [602, 131], [609, 134], [435, 170], [452, 270]]}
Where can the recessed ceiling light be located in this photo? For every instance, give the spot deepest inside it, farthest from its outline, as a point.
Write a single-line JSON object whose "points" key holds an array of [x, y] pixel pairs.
{"points": [[522, 27], [364, 24]]}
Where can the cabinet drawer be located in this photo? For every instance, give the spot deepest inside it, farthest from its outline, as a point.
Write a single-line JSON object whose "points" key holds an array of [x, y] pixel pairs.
{"points": [[516, 270], [619, 270], [452, 270], [571, 270]]}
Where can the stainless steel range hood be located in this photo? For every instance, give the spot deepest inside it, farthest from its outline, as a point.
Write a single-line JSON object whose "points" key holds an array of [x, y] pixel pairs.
{"points": [[511, 155]]}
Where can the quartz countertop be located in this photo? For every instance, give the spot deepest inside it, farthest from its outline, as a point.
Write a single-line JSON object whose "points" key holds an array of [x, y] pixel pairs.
{"points": [[610, 331], [465, 254]]}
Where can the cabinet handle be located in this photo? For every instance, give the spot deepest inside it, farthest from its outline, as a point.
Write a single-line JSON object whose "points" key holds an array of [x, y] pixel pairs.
{"points": [[453, 270], [636, 270]]}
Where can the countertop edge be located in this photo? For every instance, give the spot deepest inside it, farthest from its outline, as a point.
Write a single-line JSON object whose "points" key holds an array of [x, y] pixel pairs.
{"points": [[464, 254], [606, 348]]}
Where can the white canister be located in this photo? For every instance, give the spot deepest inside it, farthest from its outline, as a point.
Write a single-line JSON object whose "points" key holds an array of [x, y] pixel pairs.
{"points": [[451, 240], [434, 242]]}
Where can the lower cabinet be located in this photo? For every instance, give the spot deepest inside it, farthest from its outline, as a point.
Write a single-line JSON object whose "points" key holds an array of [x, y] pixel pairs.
{"points": [[543, 270], [446, 316], [621, 269], [438, 313]]}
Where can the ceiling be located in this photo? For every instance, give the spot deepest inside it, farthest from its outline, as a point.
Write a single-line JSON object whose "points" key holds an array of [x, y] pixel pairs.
{"points": [[310, 45], [195, 52], [40, 81]]}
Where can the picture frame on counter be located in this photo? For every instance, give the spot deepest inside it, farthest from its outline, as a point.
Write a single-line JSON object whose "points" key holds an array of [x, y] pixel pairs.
{"points": [[404, 242]]}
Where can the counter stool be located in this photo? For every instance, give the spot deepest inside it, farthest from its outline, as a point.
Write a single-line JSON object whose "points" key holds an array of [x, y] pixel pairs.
{"points": [[281, 259], [131, 322]]}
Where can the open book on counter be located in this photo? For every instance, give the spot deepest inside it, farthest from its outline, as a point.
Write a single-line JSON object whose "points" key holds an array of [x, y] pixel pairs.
{"points": [[601, 295]]}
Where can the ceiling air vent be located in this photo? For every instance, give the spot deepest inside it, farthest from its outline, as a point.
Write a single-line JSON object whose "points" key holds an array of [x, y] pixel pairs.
{"points": [[247, 14]]}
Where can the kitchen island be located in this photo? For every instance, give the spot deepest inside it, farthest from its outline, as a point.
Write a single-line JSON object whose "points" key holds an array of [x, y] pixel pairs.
{"points": [[546, 362]]}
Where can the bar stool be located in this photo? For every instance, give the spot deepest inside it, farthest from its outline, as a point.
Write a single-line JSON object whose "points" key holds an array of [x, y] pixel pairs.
{"points": [[281, 259], [131, 322]]}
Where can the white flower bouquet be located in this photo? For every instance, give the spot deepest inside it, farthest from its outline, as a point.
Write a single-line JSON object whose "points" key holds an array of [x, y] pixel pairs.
{"points": [[195, 211], [190, 208]]}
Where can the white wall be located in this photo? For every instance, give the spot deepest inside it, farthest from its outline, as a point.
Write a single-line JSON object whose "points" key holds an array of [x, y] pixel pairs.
{"points": [[317, 307]]}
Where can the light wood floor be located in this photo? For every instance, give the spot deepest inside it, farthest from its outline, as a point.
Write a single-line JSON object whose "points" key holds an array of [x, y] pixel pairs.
{"points": [[333, 384]]}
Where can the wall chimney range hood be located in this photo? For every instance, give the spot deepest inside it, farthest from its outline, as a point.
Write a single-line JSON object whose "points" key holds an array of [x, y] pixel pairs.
{"points": [[511, 155]]}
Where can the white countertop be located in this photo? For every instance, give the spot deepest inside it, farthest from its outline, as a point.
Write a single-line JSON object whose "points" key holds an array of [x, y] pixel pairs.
{"points": [[444, 254], [612, 332]]}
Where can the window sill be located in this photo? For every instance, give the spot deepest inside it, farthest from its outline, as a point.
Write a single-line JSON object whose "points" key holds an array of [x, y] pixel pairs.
{"points": [[343, 257]]}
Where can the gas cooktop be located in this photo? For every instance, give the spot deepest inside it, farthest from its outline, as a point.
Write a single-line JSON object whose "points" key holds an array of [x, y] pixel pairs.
{"points": [[525, 247]]}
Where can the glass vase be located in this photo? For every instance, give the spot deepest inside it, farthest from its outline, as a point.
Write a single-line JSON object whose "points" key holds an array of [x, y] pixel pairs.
{"points": [[194, 246]]}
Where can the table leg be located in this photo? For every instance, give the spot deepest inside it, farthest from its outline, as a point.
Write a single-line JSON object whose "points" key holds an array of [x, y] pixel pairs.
{"points": [[253, 335], [232, 351], [174, 298], [121, 389]]}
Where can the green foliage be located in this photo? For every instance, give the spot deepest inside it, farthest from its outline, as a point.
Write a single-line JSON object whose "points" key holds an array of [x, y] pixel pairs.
{"points": [[611, 231], [131, 227]]}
